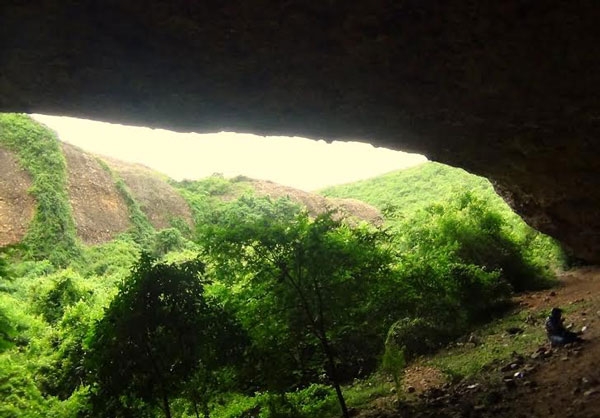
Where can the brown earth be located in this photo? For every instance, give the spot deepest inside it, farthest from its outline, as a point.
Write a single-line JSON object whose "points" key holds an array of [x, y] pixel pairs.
{"points": [[556, 382], [16, 204], [316, 204], [99, 211], [157, 198]]}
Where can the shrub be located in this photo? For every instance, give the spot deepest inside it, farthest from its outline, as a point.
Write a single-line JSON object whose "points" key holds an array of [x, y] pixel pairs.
{"points": [[169, 239], [414, 336], [53, 296], [393, 361]]}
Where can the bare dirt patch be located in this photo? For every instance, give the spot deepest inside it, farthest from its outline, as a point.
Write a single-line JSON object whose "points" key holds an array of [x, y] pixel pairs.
{"points": [[99, 211], [17, 206], [420, 378], [157, 198], [568, 383], [541, 382], [317, 204]]}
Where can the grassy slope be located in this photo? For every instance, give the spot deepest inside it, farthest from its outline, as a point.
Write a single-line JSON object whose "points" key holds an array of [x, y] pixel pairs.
{"points": [[414, 188]]}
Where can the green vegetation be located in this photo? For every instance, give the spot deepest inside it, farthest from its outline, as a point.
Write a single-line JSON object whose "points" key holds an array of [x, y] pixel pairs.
{"points": [[317, 273], [51, 234], [416, 196], [404, 192], [158, 336], [142, 230], [263, 310]]}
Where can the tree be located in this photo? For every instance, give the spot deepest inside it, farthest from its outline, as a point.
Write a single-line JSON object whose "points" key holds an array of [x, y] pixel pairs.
{"points": [[53, 296], [7, 329], [318, 272], [157, 333]]}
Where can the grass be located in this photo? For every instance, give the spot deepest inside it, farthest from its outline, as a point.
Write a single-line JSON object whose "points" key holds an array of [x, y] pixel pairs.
{"points": [[464, 360], [495, 345], [363, 392]]}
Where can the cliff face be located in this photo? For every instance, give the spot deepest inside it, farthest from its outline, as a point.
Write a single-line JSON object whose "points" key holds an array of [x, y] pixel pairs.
{"points": [[16, 205], [100, 210], [506, 89]]}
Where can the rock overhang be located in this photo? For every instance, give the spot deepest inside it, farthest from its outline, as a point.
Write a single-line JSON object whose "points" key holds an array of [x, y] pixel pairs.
{"points": [[508, 90]]}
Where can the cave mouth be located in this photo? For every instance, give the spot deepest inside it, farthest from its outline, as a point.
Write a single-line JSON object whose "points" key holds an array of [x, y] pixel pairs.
{"points": [[302, 163]]}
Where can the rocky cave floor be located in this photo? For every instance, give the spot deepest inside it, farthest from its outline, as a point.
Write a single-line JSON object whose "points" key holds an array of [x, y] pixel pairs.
{"points": [[541, 381]]}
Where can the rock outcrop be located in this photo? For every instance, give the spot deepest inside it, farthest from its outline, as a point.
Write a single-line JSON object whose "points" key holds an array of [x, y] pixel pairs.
{"points": [[16, 205], [99, 211], [505, 89]]}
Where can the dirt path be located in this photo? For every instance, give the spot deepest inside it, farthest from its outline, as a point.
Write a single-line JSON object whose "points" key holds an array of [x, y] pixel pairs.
{"points": [[568, 383], [562, 382]]}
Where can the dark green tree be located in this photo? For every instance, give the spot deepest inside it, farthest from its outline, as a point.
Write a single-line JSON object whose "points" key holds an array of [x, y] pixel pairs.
{"points": [[317, 273], [7, 329], [53, 297], [166, 240], [157, 333]]}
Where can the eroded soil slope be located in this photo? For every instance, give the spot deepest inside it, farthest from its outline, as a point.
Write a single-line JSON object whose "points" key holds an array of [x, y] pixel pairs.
{"points": [[316, 204], [16, 204], [99, 211], [158, 200]]}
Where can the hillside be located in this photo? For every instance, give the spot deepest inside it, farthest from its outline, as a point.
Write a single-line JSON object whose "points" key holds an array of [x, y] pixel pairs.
{"points": [[275, 312], [106, 197], [406, 191], [16, 205], [313, 202]]}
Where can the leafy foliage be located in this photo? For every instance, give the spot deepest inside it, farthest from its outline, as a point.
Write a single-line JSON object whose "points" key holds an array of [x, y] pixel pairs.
{"points": [[394, 360], [51, 234], [157, 331], [294, 308], [56, 294], [166, 240], [315, 271], [402, 194]]}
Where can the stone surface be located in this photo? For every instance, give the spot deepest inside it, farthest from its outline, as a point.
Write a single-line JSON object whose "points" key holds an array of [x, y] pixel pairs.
{"points": [[99, 211], [508, 90], [16, 204]]}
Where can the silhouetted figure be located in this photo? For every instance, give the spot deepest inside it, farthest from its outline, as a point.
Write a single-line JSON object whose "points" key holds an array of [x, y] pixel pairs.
{"points": [[557, 333]]}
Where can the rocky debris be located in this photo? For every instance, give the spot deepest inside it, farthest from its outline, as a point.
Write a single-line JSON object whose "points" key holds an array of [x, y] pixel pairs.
{"points": [[515, 330], [531, 320]]}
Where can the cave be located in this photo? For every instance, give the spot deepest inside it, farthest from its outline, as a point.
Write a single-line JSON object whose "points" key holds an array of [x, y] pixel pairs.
{"points": [[508, 90]]}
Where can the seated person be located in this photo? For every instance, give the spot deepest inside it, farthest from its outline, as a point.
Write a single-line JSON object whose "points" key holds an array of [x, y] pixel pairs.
{"points": [[557, 333]]}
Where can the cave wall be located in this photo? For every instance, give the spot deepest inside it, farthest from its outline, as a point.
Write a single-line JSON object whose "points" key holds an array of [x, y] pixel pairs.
{"points": [[506, 89]]}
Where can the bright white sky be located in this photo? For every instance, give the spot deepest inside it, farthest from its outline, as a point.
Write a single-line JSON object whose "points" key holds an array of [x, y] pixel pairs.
{"points": [[297, 162]]}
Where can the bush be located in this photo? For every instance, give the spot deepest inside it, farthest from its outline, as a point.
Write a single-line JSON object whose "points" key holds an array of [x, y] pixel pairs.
{"points": [[166, 240], [53, 296], [394, 362], [314, 401], [415, 336]]}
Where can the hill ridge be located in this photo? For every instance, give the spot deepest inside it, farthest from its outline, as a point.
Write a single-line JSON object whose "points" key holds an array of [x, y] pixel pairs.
{"points": [[101, 190]]}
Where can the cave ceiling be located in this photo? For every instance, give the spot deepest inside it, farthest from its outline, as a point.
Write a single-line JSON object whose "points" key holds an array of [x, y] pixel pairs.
{"points": [[505, 89]]}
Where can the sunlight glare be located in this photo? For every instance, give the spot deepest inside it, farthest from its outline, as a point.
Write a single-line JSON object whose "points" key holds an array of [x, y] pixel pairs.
{"points": [[297, 162]]}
